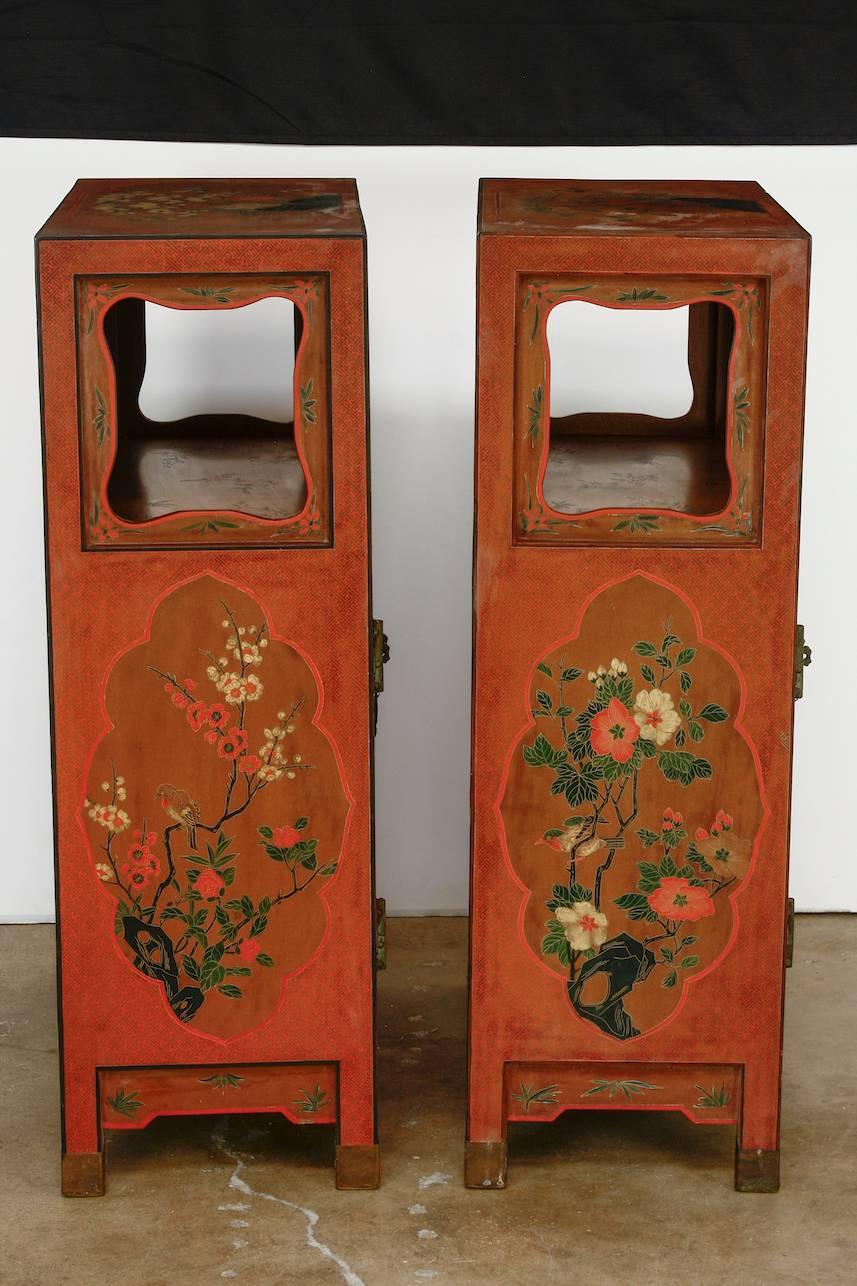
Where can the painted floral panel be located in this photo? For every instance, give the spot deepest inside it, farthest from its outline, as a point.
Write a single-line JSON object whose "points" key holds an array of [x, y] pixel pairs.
{"points": [[215, 809], [631, 808]]}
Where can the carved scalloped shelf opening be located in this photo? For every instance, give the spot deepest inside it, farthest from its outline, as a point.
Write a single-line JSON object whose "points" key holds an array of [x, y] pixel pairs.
{"points": [[632, 459], [208, 461]]}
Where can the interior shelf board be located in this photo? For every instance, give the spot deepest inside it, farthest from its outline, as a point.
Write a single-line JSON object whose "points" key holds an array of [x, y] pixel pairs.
{"points": [[258, 475], [636, 471]]}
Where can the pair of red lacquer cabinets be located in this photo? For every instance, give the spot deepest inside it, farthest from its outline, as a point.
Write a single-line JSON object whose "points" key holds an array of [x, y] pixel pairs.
{"points": [[215, 668]]}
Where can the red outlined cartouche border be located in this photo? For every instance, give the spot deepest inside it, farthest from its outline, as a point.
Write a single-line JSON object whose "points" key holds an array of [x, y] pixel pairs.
{"points": [[738, 725], [109, 726]]}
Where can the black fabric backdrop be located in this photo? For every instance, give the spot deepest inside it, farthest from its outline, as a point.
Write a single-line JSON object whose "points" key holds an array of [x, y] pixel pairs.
{"points": [[389, 71]]}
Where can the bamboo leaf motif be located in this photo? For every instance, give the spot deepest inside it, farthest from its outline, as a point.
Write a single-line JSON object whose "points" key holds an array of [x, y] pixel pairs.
{"points": [[528, 1094], [125, 1104], [101, 420], [741, 404], [211, 294], [628, 1089], [645, 523], [222, 1081], [636, 296], [716, 1096], [534, 411], [311, 1100], [308, 404]]}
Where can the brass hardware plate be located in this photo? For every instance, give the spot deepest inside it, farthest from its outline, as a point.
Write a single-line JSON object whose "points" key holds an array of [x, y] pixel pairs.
{"points": [[803, 658], [380, 657], [790, 933], [380, 933]]}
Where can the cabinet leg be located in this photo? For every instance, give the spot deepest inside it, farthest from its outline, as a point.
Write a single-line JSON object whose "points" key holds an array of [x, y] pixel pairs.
{"points": [[485, 1150], [358, 1157], [485, 1164], [757, 1152], [83, 1174], [757, 1170], [358, 1166]]}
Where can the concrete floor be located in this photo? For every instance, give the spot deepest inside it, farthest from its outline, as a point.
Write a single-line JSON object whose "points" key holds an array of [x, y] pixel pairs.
{"points": [[595, 1199]]}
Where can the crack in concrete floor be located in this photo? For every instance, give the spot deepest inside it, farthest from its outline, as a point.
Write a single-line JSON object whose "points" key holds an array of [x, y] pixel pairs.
{"points": [[606, 1197]]}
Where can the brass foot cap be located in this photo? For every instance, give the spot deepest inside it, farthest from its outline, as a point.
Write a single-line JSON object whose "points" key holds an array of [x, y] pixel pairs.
{"points": [[757, 1170], [358, 1166], [485, 1164], [83, 1174]]}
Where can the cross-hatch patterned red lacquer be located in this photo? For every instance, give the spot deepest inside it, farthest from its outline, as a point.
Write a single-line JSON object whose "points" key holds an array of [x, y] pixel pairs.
{"points": [[633, 678], [233, 910]]}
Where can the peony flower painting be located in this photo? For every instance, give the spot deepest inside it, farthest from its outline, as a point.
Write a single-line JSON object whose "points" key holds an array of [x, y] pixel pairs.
{"points": [[663, 803]]}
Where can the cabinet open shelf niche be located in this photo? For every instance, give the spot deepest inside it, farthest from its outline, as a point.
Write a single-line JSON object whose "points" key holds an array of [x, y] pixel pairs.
{"points": [[208, 462], [630, 461]]}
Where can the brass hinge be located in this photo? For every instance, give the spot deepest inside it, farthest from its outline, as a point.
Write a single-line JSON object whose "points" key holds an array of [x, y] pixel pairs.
{"points": [[803, 658], [380, 656], [380, 933], [790, 933]]}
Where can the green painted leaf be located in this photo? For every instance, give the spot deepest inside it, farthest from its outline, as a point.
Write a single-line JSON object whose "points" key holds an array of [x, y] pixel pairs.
{"points": [[645, 649], [713, 713], [627, 901], [685, 656], [649, 876], [540, 753]]}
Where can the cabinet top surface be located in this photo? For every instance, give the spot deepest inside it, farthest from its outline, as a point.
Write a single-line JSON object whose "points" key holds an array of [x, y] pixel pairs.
{"points": [[193, 208], [592, 207]]}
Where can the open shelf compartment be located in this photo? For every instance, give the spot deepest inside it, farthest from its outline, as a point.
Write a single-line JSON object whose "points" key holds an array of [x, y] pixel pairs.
{"points": [[607, 476], [212, 478]]}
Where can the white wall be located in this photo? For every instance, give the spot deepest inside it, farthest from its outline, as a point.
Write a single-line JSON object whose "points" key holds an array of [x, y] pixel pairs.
{"points": [[420, 210]]}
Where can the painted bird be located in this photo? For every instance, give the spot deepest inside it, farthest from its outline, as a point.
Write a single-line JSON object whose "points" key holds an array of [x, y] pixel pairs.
{"points": [[178, 805]]}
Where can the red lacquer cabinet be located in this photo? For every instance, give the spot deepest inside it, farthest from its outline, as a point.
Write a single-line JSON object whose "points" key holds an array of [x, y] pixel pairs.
{"points": [[211, 673], [635, 669]]}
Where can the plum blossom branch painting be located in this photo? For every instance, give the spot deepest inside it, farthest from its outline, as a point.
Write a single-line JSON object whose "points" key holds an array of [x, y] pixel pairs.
{"points": [[229, 817], [650, 835]]}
